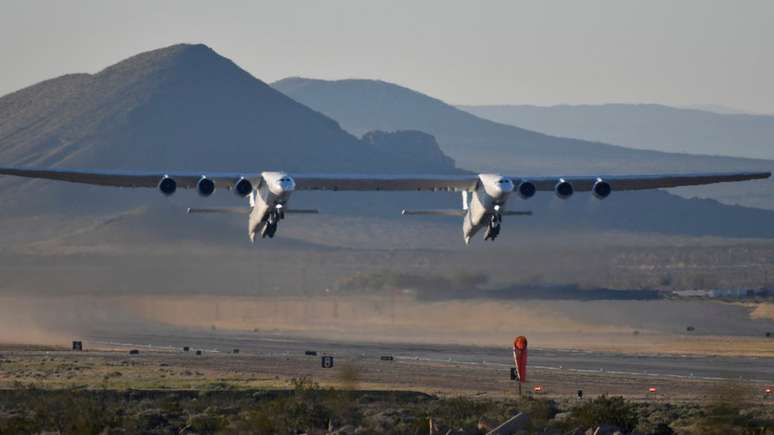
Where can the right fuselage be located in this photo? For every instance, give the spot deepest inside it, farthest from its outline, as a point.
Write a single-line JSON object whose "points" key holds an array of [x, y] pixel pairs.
{"points": [[486, 204], [268, 202]]}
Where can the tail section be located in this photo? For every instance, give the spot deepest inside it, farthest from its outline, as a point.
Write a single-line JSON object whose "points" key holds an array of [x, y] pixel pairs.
{"points": [[246, 210], [449, 212], [233, 210]]}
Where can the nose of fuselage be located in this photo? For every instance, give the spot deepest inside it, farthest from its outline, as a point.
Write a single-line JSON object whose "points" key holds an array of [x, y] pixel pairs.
{"points": [[502, 187], [280, 184], [286, 185]]}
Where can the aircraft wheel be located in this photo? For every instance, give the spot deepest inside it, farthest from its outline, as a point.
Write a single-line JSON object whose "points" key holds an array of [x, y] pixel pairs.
{"points": [[271, 230]]}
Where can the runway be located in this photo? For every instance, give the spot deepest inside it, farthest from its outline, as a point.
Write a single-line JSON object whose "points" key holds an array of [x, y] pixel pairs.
{"points": [[451, 368]]}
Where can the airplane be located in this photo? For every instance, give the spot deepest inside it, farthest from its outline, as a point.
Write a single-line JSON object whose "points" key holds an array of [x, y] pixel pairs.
{"points": [[484, 196]]}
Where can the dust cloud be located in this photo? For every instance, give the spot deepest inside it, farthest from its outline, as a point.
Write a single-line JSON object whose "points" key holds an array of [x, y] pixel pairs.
{"points": [[360, 317], [763, 311], [601, 325], [25, 320], [623, 326]]}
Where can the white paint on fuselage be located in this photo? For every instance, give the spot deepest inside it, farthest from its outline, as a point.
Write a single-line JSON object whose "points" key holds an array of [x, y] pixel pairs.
{"points": [[492, 191], [275, 189]]}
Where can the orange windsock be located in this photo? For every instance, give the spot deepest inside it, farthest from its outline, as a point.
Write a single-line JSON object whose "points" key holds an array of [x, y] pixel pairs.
{"points": [[520, 357]]}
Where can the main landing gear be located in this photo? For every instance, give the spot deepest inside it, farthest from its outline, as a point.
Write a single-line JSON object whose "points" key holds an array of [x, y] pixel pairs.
{"points": [[272, 220], [493, 229]]}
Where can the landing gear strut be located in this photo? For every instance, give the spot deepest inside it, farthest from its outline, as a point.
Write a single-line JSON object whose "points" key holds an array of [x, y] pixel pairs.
{"points": [[493, 230], [272, 220]]}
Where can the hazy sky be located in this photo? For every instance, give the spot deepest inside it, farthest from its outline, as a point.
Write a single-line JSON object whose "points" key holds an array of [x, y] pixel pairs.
{"points": [[473, 52]]}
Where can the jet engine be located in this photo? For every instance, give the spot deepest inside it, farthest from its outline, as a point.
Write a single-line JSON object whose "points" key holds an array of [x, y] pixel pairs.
{"points": [[564, 189], [167, 185], [601, 189], [243, 187], [205, 186], [526, 190]]}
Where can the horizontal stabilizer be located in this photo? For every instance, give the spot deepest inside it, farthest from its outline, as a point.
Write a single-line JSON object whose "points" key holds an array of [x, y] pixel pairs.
{"points": [[434, 212], [301, 211], [246, 210], [235, 210], [458, 213]]}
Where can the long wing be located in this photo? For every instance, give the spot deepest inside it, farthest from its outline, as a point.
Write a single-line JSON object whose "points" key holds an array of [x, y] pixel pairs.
{"points": [[186, 180], [642, 182], [376, 182]]}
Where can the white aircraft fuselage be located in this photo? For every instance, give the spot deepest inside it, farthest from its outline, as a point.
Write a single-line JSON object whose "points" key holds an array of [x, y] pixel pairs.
{"points": [[268, 202], [486, 205]]}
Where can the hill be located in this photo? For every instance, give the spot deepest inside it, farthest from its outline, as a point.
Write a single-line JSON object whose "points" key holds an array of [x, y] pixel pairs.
{"points": [[479, 144], [646, 126], [182, 107]]}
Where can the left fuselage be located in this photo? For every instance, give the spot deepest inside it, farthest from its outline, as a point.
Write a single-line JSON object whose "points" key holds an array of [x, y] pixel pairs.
{"points": [[486, 202], [268, 202]]}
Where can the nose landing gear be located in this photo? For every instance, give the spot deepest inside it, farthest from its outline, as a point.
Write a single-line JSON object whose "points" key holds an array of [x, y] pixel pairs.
{"points": [[493, 229]]}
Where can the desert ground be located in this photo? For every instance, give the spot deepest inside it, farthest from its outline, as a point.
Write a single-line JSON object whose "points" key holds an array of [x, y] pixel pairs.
{"points": [[192, 381], [450, 340]]}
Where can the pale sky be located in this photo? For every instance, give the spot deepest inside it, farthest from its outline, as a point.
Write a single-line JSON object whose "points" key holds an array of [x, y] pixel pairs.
{"points": [[465, 52]]}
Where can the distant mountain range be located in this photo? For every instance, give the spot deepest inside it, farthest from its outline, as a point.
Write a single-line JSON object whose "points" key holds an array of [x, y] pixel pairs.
{"points": [[182, 108], [718, 108], [646, 126], [478, 144], [187, 108]]}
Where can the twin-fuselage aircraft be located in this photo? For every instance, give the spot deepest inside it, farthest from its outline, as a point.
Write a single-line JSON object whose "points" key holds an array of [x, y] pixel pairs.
{"points": [[484, 196]]}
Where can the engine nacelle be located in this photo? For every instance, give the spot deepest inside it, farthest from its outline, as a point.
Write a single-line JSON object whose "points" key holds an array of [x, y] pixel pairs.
{"points": [[564, 189], [167, 185], [205, 186], [526, 190], [601, 189], [243, 187]]}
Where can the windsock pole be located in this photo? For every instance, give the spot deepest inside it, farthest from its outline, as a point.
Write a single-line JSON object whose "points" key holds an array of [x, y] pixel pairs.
{"points": [[520, 359]]}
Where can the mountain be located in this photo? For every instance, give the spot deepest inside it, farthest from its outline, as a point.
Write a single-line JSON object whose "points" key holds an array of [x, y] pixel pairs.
{"points": [[363, 105], [646, 126], [718, 108], [416, 144], [185, 105], [480, 145], [182, 107]]}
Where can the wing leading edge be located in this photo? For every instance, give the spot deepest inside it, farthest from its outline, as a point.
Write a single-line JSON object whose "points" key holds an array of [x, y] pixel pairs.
{"points": [[186, 180], [642, 182], [349, 182]]}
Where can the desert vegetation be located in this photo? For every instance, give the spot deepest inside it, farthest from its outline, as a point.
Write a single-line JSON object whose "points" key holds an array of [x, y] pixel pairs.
{"points": [[306, 407]]}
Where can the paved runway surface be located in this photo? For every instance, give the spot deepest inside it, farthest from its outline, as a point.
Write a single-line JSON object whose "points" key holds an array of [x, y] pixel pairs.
{"points": [[657, 366]]}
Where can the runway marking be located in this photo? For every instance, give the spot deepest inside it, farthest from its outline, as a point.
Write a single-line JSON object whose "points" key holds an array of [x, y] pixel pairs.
{"points": [[453, 361]]}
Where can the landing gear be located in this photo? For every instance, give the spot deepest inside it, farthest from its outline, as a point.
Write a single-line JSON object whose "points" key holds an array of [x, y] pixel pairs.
{"points": [[272, 220], [269, 230], [493, 229]]}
